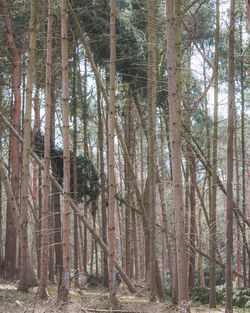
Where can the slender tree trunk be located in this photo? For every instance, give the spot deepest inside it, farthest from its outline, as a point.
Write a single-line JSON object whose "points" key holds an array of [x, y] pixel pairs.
{"points": [[10, 242], [128, 193], [174, 110], [192, 220], [46, 179], [103, 199], [201, 279], [76, 252], [237, 200], [230, 134], [27, 273], [243, 153], [64, 288], [151, 89], [212, 217], [86, 153], [111, 172]]}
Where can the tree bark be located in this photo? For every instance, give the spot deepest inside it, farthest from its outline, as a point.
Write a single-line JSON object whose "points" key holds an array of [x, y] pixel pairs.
{"points": [[212, 213], [151, 89], [64, 288], [46, 180], [27, 273], [10, 242], [111, 172], [74, 102], [174, 110], [230, 134], [103, 198]]}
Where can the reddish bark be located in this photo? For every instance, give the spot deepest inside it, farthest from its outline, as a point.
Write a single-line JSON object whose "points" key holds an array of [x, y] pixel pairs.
{"points": [[10, 243]]}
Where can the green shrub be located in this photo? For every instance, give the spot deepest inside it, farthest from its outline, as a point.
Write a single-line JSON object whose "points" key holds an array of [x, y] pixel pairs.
{"points": [[241, 297], [221, 294], [247, 305], [200, 294]]}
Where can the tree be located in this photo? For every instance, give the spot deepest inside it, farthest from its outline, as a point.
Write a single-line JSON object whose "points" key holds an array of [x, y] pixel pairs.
{"points": [[64, 288], [174, 111], [230, 166], [46, 181], [111, 147], [212, 213], [27, 273], [10, 243], [151, 90]]}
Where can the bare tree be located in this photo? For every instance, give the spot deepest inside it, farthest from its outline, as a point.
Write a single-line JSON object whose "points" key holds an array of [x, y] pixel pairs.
{"points": [[212, 225], [46, 180], [174, 111], [230, 166], [27, 273], [64, 288], [111, 172]]}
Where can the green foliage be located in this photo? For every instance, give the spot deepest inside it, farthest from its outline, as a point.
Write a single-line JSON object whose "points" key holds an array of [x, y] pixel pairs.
{"points": [[87, 173], [221, 293], [130, 45], [241, 297], [91, 279], [200, 294]]}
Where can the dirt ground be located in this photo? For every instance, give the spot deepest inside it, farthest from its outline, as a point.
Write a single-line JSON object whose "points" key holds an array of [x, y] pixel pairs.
{"points": [[81, 300]]}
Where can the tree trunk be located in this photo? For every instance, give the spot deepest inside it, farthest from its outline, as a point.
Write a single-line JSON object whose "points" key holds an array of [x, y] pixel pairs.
{"points": [[64, 288], [74, 102], [243, 153], [46, 180], [27, 273], [151, 89], [111, 172], [212, 213], [230, 134], [103, 198], [174, 110], [10, 242], [86, 153]]}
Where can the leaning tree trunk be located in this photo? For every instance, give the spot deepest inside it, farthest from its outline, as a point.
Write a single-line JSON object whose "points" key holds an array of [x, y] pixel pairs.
{"points": [[27, 273], [46, 180], [64, 288], [174, 110], [230, 134]]}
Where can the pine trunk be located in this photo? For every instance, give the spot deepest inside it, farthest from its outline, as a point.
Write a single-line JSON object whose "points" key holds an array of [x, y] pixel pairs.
{"points": [[64, 288], [174, 110], [111, 172], [230, 164], [27, 273], [46, 180]]}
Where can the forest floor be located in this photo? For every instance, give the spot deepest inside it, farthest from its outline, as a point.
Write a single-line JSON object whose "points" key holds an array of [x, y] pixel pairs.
{"points": [[82, 300]]}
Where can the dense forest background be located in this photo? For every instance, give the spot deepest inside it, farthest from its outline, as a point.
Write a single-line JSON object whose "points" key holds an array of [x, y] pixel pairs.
{"points": [[124, 148]]}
